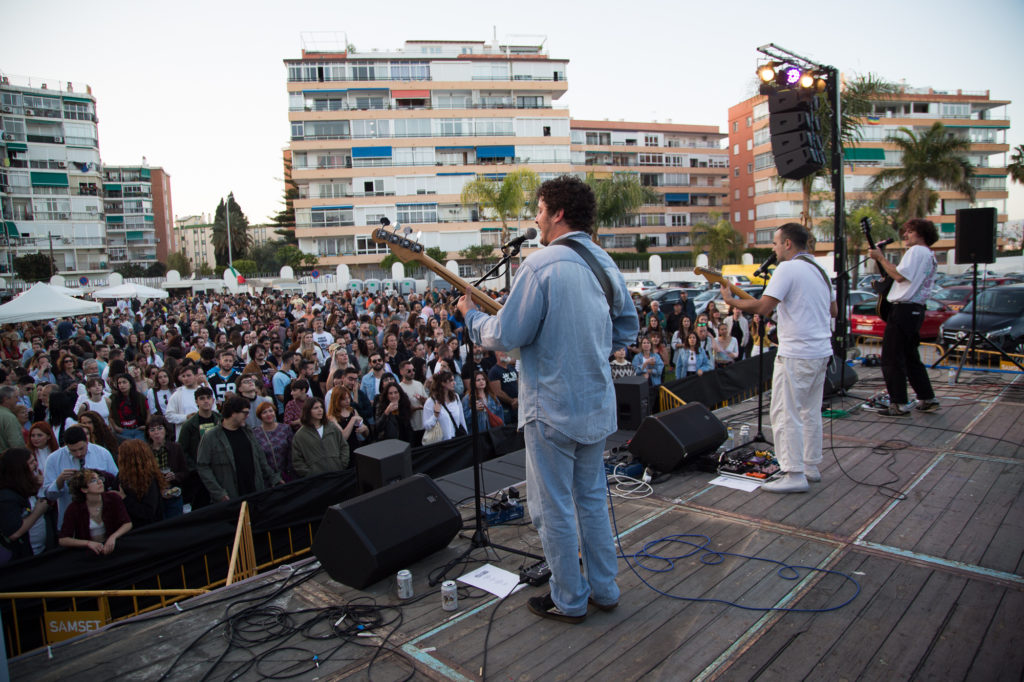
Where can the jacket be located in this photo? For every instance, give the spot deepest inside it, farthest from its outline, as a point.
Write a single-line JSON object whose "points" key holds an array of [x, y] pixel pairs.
{"points": [[216, 464], [189, 437], [313, 454]]}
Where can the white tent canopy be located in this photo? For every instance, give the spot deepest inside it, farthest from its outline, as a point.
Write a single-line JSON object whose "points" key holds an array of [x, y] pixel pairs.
{"points": [[129, 290], [43, 302]]}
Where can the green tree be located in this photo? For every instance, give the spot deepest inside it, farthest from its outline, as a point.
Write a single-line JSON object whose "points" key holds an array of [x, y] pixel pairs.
{"points": [[156, 269], [856, 244], [34, 267], [477, 252], [179, 261], [241, 240], [507, 199], [641, 244], [719, 239], [130, 270], [205, 270], [618, 198], [246, 267], [296, 259], [437, 253], [934, 156], [1016, 166]]}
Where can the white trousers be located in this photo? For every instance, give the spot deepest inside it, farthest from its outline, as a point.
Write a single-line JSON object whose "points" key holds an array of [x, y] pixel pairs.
{"points": [[796, 411]]}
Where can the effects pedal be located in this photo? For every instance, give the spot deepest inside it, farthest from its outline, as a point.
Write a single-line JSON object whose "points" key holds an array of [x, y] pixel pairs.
{"points": [[536, 575]]}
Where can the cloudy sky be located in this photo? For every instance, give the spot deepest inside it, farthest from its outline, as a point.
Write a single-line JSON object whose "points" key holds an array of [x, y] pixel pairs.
{"points": [[198, 88]]}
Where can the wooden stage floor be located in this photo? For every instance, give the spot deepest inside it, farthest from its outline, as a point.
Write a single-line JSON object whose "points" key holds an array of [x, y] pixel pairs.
{"points": [[937, 554]]}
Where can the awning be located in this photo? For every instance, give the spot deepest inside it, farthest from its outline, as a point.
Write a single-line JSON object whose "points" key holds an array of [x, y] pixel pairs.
{"points": [[677, 196], [134, 235], [495, 152], [947, 227], [461, 149], [410, 94], [145, 173], [148, 218], [371, 152], [323, 92], [863, 154], [111, 186], [85, 100], [115, 218], [440, 174], [40, 179], [494, 176], [17, 146], [332, 208], [10, 229]]}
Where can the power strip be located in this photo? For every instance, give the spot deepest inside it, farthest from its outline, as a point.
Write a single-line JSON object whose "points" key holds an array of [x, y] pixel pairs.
{"points": [[507, 512]]}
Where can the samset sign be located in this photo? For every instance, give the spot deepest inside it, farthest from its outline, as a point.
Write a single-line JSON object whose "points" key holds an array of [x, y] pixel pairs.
{"points": [[61, 625]]}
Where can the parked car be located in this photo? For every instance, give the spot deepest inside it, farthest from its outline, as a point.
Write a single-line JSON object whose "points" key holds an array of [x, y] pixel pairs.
{"points": [[668, 297], [641, 287], [864, 321], [956, 297], [700, 303], [683, 284], [1000, 317]]}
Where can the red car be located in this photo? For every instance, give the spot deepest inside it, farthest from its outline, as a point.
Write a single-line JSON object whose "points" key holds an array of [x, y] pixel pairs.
{"points": [[864, 321]]}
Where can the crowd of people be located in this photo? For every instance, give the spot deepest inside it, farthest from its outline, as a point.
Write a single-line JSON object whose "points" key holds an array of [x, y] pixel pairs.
{"points": [[163, 407]]}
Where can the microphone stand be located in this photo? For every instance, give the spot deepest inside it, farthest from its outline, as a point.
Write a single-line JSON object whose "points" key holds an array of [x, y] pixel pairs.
{"points": [[480, 538]]}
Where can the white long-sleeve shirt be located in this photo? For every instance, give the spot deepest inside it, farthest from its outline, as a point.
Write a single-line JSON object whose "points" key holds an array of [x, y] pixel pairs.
{"points": [[180, 406], [447, 427]]}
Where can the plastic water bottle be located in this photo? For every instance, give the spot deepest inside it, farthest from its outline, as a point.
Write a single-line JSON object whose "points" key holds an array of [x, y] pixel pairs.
{"points": [[951, 376], [744, 434], [729, 439]]}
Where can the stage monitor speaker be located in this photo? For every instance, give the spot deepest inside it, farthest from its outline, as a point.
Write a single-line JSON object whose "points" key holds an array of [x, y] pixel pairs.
{"points": [[976, 235], [665, 439], [383, 462], [834, 374], [370, 537], [632, 401]]}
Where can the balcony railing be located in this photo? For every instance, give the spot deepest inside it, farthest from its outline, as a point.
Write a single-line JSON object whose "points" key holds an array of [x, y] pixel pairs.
{"points": [[349, 136]]}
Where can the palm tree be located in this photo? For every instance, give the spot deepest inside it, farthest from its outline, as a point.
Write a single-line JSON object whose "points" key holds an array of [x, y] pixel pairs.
{"points": [[508, 198], [1016, 166], [618, 197], [934, 156], [241, 240], [719, 239]]}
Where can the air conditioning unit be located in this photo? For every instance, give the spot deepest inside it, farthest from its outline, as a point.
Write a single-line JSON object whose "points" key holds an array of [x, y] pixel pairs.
{"points": [[62, 164], [30, 112], [7, 109], [8, 136], [66, 240], [58, 140]]}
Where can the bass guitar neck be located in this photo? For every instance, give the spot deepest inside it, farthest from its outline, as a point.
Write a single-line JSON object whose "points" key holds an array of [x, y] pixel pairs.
{"points": [[716, 277]]}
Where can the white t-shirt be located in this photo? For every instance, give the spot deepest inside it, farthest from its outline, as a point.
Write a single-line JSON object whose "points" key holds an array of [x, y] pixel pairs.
{"points": [[804, 301], [918, 266]]}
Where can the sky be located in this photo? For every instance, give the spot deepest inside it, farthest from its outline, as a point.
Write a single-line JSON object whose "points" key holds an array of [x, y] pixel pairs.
{"points": [[199, 88]]}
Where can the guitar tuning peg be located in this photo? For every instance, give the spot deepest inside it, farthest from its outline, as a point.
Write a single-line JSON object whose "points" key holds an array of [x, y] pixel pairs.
{"points": [[384, 221], [419, 235], [407, 231]]}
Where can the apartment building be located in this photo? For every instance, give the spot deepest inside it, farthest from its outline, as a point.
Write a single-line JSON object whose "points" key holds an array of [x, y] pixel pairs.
{"points": [[137, 210], [685, 165], [760, 203], [398, 134], [50, 175]]}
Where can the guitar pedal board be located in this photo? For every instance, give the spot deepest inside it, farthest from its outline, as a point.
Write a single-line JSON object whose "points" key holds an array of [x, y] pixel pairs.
{"points": [[749, 463]]}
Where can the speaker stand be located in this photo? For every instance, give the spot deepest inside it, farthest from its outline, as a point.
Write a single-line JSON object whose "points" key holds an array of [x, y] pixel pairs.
{"points": [[480, 538], [972, 343]]}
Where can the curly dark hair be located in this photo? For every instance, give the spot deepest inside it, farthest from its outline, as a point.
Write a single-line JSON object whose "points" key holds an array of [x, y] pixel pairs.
{"points": [[569, 193], [924, 228]]}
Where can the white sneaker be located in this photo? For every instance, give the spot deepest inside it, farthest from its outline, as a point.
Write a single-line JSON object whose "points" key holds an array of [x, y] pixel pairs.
{"points": [[792, 482], [811, 473]]}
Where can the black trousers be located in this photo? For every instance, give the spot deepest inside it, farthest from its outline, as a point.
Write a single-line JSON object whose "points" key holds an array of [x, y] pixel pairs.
{"points": [[901, 360]]}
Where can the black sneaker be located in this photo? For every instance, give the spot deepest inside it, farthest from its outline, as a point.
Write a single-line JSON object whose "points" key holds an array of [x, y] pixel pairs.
{"points": [[927, 405], [545, 608]]}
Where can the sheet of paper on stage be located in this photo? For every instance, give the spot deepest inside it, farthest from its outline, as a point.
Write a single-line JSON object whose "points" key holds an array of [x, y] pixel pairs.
{"points": [[497, 581], [748, 486]]}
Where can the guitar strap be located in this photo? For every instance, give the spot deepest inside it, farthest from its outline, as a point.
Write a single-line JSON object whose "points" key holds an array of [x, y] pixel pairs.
{"points": [[602, 276], [807, 259]]}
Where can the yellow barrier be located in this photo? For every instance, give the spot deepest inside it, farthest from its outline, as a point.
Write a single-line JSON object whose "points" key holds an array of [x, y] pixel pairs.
{"points": [[78, 618], [979, 359]]}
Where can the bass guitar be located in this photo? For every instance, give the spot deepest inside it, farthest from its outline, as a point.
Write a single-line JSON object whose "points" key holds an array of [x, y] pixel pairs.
{"points": [[880, 286], [716, 277]]}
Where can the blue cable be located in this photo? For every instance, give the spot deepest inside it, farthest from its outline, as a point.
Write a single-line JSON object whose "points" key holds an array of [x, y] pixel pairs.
{"points": [[712, 557]]}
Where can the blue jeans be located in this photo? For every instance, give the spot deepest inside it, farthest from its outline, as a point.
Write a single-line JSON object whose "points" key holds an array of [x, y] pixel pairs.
{"points": [[567, 496]]}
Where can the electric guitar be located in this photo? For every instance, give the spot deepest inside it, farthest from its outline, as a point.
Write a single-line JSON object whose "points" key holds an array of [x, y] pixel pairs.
{"points": [[406, 250], [881, 286], [717, 277]]}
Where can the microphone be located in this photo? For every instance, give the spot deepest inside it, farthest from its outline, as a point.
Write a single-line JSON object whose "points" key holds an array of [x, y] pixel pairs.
{"points": [[517, 243], [884, 242], [763, 270]]}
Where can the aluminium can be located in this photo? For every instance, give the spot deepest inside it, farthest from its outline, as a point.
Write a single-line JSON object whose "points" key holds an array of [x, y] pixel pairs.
{"points": [[405, 585], [449, 596]]}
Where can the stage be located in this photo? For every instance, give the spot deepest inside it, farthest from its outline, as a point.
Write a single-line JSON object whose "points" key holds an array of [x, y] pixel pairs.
{"points": [[937, 553]]}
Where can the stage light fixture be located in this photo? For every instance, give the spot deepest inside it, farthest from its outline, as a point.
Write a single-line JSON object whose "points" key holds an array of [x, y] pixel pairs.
{"points": [[807, 80], [767, 72], [791, 75]]}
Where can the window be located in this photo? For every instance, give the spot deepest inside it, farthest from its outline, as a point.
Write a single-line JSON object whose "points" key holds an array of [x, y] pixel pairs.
{"points": [[736, 194], [651, 160], [750, 168], [736, 216], [735, 126], [412, 127], [406, 71], [750, 121], [750, 191], [366, 245], [494, 126], [530, 102], [651, 141], [736, 148], [333, 217], [677, 220], [417, 213], [736, 172], [750, 144], [750, 214]]}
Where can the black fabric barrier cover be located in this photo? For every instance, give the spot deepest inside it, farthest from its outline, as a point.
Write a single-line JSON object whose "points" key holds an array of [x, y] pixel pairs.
{"points": [[162, 548], [724, 383]]}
